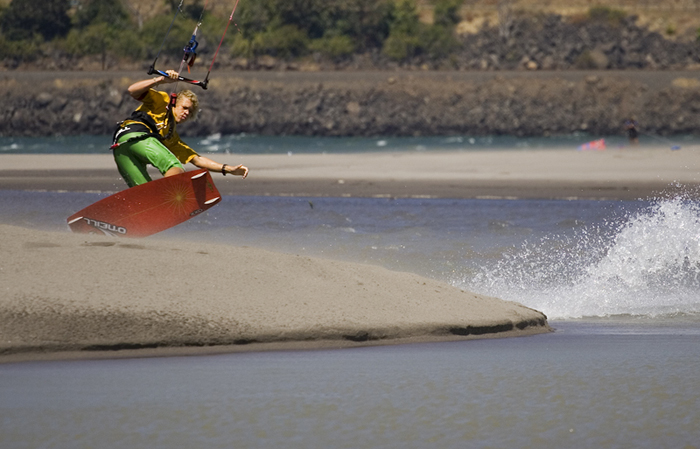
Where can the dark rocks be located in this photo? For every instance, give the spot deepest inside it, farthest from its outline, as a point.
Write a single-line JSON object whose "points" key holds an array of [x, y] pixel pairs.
{"points": [[43, 99], [375, 104]]}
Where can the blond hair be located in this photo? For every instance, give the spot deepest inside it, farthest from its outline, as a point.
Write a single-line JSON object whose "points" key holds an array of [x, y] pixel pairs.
{"points": [[193, 98]]}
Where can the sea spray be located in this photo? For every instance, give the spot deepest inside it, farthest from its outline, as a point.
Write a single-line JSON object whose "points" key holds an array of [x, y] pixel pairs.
{"points": [[646, 265]]}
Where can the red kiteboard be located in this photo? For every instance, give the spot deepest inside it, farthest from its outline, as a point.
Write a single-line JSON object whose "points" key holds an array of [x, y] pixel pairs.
{"points": [[149, 208]]}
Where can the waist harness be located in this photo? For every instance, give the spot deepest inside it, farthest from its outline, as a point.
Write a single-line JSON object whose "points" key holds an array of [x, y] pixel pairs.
{"points": [[141, 122]]}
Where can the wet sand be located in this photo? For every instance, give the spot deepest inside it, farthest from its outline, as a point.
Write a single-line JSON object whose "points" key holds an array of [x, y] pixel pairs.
{"points": [[628, 173]]}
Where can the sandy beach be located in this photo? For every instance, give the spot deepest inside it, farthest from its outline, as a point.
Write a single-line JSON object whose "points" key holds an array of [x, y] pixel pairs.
{"points": [[67, 295], [627, 173]]}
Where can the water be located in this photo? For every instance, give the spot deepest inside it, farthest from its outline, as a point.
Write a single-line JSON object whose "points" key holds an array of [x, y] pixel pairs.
{"points": [[251, 144], [574, 389], [617, 279], [647, 264]]}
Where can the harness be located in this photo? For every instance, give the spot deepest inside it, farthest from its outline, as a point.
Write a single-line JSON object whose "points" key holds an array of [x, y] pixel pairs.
{"points": [[141, 122]]}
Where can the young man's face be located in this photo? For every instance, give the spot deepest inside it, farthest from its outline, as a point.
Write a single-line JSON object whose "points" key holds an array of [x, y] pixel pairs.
{"points": [[182, 110]]}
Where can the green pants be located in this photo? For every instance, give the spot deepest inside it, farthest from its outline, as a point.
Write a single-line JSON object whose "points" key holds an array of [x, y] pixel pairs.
{"points": [[133, 158]]}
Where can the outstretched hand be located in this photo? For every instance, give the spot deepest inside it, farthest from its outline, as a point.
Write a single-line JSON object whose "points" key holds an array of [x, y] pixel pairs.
{"points": [[238, 170], [224, 169]]}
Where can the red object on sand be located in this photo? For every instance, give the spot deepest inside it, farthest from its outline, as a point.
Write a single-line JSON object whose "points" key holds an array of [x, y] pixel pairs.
{"points": [[597, 145], [149, 208]]}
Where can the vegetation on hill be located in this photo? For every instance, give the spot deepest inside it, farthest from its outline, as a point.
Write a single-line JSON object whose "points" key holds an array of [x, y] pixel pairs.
{"points": [[288, 29], [335, 33]]}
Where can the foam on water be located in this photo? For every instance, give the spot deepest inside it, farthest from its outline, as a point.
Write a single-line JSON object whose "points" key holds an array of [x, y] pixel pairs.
{"points": [[648, 265]]}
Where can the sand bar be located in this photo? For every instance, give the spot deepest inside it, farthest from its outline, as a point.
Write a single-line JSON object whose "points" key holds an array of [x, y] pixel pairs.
{"points": [[549, 174], [69, 295]]}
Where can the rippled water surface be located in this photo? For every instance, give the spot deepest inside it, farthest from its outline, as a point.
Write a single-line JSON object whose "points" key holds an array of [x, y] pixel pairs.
{"points": [[587, 385]]}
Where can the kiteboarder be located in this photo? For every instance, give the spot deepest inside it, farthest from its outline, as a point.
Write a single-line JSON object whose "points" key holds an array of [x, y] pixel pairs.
{"points": [[149, 136]]}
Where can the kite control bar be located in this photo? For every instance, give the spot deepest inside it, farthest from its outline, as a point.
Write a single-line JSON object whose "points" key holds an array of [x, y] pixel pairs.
{"points": [[190, 49], [202, 84]]}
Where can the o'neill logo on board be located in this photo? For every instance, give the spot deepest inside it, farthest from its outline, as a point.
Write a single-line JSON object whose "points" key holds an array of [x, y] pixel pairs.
{"points": [[107, 228]]}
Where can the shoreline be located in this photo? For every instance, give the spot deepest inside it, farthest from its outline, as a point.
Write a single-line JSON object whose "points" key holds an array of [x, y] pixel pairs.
{"points": [[625, 174], [70, 296], [43, 354]]}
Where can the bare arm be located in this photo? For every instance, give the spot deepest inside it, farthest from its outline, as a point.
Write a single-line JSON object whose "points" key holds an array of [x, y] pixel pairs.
{"points": [[204, 162], [139, 88]]}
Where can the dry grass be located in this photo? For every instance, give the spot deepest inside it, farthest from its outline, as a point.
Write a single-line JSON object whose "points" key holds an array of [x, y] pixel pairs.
{"points": [[672, 18]]}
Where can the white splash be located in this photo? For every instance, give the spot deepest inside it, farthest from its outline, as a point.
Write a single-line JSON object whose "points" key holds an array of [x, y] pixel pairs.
{"points": [[649, 265]]}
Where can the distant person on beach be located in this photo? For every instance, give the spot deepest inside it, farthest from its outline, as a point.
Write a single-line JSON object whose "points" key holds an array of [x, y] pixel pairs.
{"points": [[632, 128], [148, 136]]}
